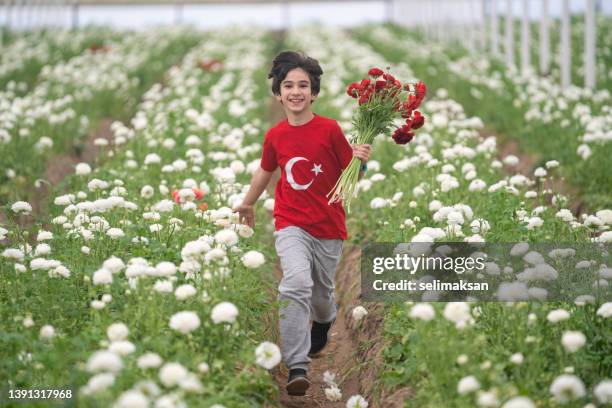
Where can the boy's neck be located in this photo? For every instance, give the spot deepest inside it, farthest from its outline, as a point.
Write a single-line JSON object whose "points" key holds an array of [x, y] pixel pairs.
{"points": [[299, 119]]}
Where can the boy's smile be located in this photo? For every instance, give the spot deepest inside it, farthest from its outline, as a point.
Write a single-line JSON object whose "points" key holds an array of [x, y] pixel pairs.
{"points": [[296, 95]]}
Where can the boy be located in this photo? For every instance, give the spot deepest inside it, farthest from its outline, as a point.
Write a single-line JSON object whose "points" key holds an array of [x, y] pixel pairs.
{"points": [[312, 152]]}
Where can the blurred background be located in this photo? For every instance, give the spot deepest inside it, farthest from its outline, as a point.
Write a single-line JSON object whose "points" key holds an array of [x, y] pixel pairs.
{"points": [[279, 14]]}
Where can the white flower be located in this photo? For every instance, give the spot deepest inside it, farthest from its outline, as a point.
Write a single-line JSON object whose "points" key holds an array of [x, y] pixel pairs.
{"points": [[603, 391], [132, 399], [149, 360], [245, 231], [102, 277], [224, 312], [605, 310], [115, 233], [172, 373], [422, 311], [462, 359], [104, 360], [163, 286], [356, 401], [82, 169], [226, 237], [558, 315], [517, 358], [113, 264], [519, 402], [117, 332], [359, 312], [122, 348], [185, 321], [267, 355], [147, 192], [203, 368], [185, 291], [566, 388], [333, 393], [13, 253], [468, 384], [551, 164], [47, 332], [44, 235], [99, 382], [253, 259], [165, 269], [21, 207], [572, 341], [457, 312], [488, 399], [329, 378]]}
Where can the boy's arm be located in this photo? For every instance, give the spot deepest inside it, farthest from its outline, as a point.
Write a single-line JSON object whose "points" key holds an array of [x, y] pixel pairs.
{"points": [[259, 181]]}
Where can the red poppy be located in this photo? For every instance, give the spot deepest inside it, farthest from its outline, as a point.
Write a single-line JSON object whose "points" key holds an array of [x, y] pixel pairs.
{"points": [[203, 206]]}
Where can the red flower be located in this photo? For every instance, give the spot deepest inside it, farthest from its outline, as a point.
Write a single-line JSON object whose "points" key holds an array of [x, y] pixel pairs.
{"points": [[176, 197], [400, 136], [199, 194], [353, 90], [364, 83], [418, 121], [203, 206], [420, 90], [380, 85], [375, 72]]}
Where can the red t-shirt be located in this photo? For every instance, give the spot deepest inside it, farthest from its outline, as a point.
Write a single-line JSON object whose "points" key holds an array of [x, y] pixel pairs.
{"points": [[312, 157]]}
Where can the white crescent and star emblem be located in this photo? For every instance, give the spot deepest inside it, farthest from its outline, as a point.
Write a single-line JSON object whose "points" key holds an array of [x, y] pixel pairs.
{"points": [[316, 168]]}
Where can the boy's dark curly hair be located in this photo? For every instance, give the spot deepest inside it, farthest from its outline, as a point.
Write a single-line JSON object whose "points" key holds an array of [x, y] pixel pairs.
{"points": [[288, 60]]}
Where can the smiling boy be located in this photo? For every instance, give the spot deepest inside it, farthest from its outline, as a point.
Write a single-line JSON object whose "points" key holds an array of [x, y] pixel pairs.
{"points": [[311, 151]]}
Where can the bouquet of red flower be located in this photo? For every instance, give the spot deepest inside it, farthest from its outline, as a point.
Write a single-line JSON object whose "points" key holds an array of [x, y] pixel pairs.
{"points": [[382, 98]]}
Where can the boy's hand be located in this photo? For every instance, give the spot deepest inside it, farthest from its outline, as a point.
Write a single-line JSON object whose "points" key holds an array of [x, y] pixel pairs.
{"points": [[362, 152], [246, 215]]}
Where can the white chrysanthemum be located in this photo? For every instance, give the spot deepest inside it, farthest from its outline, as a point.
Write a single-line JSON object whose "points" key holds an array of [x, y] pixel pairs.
{"points": [[267, 355], [566, 388], [468, 384], [558, 315], [224, 312], [519, 402], [329, 378], [185, 322], [422, 311], [253, 259], [104, 361], [333, 394], [82, 169], [356, 401], [172, 373], [13, 253], [359, 312], [132, 399], [203, 368], [245, 231], [457, 312], [117, 332], [163, 286], [21, 207], [185, 291], [572, 341], [605, 310], [149, 360], [603, 391], [487, 399]]}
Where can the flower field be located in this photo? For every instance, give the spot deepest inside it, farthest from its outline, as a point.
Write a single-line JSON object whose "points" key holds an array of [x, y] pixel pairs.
{"points": [[137, 286]]}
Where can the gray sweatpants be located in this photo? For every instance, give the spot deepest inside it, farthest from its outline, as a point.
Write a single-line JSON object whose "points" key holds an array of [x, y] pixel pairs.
{"points": [[308, 266]]}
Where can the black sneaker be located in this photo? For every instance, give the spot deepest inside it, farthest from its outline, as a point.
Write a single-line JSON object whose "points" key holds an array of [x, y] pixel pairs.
{"points": [[298, 382], [318, 337]]}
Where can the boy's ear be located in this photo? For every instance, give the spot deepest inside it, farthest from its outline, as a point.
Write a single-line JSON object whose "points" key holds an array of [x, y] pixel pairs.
{"points": [[278, 98]]}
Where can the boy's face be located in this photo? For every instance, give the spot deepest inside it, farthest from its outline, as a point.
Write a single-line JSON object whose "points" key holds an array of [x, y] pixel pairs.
{"points": [[295, 92]]}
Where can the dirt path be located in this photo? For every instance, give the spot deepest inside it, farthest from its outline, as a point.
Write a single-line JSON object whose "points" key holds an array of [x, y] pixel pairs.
{"points": [[354, 353]]}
